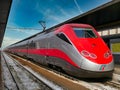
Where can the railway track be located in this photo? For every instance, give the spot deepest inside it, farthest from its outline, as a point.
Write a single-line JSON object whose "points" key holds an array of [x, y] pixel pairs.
{"points": [[88, 83], [20, 78], [114, 84], [105, 84], [8, 77]]}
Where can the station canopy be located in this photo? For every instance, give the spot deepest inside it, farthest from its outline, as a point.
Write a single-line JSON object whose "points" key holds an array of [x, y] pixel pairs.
{"points": [[4, 13], [107, 15]]}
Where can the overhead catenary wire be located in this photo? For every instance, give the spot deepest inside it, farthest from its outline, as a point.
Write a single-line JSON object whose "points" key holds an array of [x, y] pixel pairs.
{"points": [[21, 29]]}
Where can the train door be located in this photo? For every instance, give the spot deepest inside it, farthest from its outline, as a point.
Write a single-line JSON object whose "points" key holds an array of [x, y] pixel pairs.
{"points": [[37, 45], [27, 47], [43, 51], [47, 52], [50, 45]]}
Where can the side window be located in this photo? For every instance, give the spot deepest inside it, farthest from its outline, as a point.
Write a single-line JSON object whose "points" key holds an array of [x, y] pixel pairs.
{"points": [[63, 37], [32, 44]]}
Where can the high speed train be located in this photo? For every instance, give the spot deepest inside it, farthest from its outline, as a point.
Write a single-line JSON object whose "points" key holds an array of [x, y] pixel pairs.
{"points": [[75, 48]]}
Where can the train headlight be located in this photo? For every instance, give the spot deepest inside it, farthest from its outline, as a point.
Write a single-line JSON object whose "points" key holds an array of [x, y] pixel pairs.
{"points": [[92, 55], [85, 53], [107, 54]]}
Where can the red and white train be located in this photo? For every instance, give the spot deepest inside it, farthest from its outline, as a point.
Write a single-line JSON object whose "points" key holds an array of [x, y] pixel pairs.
{"points": [[75, 48]]}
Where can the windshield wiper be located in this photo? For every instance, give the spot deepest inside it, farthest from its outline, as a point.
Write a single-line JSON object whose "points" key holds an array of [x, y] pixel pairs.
{"points": [[90, 35]]}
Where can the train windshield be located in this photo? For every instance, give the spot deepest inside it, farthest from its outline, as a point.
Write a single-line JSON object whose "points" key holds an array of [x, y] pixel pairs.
{"points": [[85, 32]]}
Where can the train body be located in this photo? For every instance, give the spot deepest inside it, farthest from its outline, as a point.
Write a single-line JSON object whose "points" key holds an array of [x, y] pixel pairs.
{"points": [[75, 48]]}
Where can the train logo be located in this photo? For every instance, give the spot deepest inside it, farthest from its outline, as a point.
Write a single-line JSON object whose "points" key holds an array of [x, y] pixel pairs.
{"points": [[102, 67]]}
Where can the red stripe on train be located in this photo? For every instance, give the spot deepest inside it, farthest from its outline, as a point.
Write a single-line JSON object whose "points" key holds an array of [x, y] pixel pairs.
{"points": [[48, 52]]}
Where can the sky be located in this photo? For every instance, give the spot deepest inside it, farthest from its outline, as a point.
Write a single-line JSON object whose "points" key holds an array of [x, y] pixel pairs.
{"points": [[25, 15]]}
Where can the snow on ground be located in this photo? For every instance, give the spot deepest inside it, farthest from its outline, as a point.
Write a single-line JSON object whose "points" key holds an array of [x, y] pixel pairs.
{"points": [[25, 79], [100, 86], [27, 82], [116, 77], [49, 83], [7, 78]]}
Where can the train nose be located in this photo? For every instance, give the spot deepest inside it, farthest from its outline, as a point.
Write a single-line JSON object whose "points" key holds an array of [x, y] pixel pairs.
{"points": [[88, 65], [95, 50]]}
